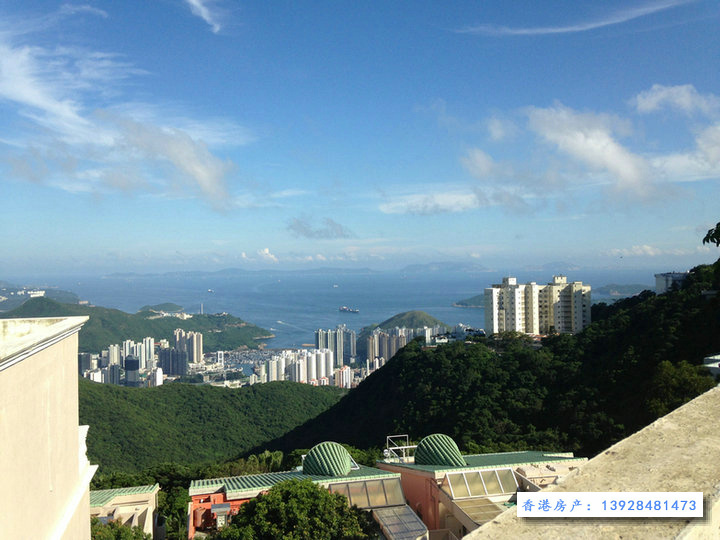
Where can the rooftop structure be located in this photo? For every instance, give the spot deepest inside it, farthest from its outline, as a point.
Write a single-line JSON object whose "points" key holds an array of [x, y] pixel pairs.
{"points": [[133, 506], [216, 500], [454, 494], [668, 280], [42, 446]]}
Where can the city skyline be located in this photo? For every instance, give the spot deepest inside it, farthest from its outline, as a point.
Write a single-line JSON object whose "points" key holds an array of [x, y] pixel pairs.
{"points": [[197, 134]]}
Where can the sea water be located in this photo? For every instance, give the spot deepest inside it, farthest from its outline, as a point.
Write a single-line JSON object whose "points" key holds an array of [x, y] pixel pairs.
{"points": [[292, 305]]}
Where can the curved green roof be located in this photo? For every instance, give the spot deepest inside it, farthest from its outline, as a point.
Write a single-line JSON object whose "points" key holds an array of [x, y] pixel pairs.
{"points": [[327, 459], [438, 449]]}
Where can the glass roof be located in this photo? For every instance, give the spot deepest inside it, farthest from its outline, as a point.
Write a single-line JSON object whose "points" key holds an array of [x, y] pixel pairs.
{"points": [[464, 485], [480, 510], [371, 493], [400, 523]]}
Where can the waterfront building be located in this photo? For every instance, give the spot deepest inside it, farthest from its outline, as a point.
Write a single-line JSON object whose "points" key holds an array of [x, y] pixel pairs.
{"points": [[536, 309], [44, 470], [341, 341]]}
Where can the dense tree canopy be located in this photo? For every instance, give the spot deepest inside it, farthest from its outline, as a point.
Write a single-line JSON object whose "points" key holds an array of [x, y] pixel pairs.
{"points": [[639, 360], [297, 510], [135, 428]]}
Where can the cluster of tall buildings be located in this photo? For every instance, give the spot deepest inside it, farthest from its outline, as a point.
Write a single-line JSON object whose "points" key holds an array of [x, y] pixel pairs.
{"points": [[316, 367], [385, 343], [560, 306], [341, 341], [146, 357]]}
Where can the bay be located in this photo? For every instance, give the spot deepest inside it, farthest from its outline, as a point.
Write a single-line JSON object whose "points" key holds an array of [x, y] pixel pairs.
{"points": [[292, 305]]}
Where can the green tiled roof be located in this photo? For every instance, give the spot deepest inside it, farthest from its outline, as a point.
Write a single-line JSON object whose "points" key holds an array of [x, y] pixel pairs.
{"points": [[438, 449], [500, 459], [238, 487], [327, 459], [101, 497]]}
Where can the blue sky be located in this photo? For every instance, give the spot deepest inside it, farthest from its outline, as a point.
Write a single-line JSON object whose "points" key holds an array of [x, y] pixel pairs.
{"points": [[160, 135]]}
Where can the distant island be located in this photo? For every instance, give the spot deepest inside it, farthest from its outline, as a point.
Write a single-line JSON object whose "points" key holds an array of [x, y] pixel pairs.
{"points": [[12, 296], [167, 307], [107, 326]]}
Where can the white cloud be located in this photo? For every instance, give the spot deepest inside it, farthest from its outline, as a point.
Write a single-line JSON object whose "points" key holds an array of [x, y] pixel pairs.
{"points": [[500, 129], [617, 17], [478, 163], [190, 158], [683, 97], [431, 203], [701, 163], [589, 139], [266, 255], [202, 9]]}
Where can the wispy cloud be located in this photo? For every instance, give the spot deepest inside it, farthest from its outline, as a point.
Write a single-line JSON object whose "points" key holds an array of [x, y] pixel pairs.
{"points": [[203, 9], [432, 203], [590, 139], [74, 9], [645, 250], [684, 98], [80, 137], [267, 256], [617, 17], [330, 229]]}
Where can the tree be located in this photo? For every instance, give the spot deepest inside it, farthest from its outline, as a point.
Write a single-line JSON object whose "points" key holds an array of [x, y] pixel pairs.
{"points": [[713, 236], [296, 510], [115, 531]]}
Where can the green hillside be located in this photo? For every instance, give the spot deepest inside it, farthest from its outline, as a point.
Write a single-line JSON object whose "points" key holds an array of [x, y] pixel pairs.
{"points": [[407, 319], [581, 393], [472, 302], [136, 428], [107, 326]]}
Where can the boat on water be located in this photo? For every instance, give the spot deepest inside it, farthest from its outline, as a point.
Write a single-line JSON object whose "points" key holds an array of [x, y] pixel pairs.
{"points": [[346, 309]]}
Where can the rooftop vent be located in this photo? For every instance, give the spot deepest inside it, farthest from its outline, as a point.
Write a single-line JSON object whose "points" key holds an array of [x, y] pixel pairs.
{"points": [[327, 459], [438, 449]]}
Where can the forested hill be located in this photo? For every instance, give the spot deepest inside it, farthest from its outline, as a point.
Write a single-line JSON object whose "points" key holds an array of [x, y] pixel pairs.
{"points": [[578, 393], [136, 428], [107, 326]]}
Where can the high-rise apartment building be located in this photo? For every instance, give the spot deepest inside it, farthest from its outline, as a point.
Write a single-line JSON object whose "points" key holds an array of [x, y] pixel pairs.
{"points": [[530, 308], [195, 347], [341, 341]]}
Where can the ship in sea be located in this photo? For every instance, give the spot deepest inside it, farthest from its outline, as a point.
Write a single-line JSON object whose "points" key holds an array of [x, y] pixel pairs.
{"points": [[346, 309]]}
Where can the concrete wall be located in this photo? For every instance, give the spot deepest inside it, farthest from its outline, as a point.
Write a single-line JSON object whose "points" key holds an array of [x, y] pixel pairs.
{"points": [[43, 469]]}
